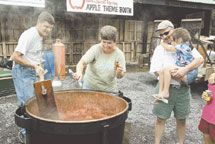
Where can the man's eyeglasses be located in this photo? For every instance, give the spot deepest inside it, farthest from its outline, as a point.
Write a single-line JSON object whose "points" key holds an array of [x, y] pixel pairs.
{"points": [[164, 34]]}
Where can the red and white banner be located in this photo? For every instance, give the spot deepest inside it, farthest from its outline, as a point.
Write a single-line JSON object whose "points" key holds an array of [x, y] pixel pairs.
{"points": [[32, 3], [112, 7]]}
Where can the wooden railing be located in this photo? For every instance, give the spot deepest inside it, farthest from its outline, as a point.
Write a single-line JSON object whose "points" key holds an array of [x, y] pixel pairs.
{"points": [[74, 50]]}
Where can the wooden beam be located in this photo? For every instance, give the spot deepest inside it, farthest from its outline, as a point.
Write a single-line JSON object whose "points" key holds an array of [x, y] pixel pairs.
{"points": [[3, 26], [175, 3]]}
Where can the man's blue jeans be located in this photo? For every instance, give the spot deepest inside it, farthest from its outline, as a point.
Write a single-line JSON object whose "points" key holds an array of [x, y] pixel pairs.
{"points": [[23, 78], [49, 64]]}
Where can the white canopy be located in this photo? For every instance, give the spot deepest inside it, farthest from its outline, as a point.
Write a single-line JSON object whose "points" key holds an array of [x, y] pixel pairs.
{"points": [[200, 1], [32, 3]]}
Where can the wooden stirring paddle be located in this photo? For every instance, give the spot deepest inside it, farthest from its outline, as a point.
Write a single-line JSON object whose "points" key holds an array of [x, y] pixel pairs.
{"points": [[45, 96]]}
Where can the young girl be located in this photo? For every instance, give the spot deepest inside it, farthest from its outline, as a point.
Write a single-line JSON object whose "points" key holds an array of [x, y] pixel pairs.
{"points": [[180, 46], [207, 122]]}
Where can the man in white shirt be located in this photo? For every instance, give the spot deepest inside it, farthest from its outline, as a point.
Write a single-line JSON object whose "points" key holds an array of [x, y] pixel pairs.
{"points": [[28, 58], [179, 100]]}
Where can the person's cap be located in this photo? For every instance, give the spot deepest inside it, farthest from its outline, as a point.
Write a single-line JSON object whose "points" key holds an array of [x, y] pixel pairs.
{"points": [[165, 24]]}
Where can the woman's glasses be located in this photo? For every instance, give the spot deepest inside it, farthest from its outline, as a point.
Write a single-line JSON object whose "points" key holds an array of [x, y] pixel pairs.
{"points": [[164, 34]]}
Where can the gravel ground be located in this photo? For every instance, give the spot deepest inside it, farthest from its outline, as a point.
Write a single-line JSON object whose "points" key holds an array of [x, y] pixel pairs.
{"points": [[139, 86]]}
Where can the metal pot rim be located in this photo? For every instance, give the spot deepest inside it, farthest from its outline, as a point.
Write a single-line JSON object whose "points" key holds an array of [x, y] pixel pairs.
{"points": [[78, 122]]}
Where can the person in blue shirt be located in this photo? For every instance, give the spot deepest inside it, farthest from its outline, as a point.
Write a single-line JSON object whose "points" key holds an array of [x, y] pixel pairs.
{"points": [[180, 45]]}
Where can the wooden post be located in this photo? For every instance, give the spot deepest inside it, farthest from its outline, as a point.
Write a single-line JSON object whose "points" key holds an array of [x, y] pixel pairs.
{"points": [[3, 19], [4, 49], [123, 46], [132, 52]]}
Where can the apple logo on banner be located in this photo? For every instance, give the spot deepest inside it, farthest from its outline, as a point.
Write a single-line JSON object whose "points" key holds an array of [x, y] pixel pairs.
{"points": [[77, 4]]}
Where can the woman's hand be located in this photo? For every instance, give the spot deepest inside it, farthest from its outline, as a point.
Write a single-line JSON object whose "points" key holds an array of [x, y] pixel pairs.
{"points": [[206, 97], [77, 76], [119, 70]]}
